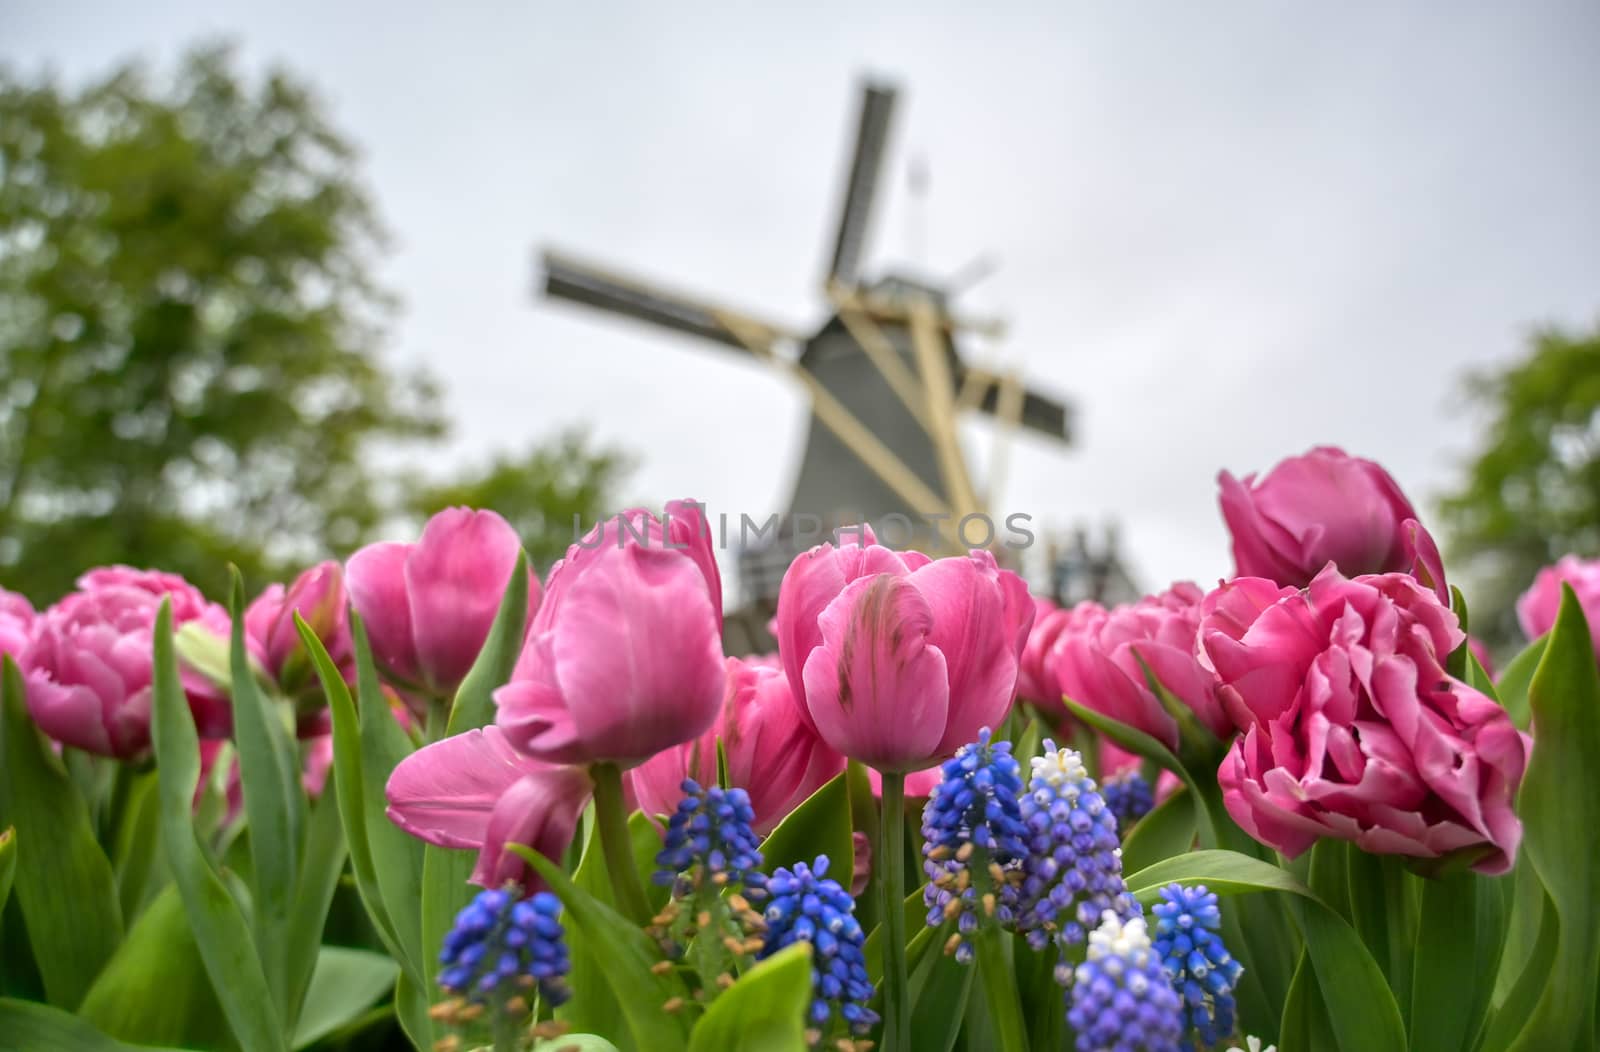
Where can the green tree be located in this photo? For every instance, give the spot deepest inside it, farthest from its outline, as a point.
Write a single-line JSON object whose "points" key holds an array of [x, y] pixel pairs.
{"points": [[189, 336], [541, 492], [1531, 491]]}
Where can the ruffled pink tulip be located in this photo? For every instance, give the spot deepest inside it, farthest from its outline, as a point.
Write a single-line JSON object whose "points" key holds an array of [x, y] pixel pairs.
{"points": [[908, 659], [317, 595], [428, 606], [16, 625], [1354, 730], [624, 659], [1325, 506], [88, 669], [1537, 608], [772, 754], [475, 791], [1101, 657]]}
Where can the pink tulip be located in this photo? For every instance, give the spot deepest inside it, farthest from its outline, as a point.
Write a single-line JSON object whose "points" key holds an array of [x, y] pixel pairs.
{"points": [[861, 863], [88, 670], [16, 625], [1101, 658], [213, 751], [1537, 608], [1325, 506], [624, 659], [428, 606], [317, 595], [814, 580], [772, 754], [1036, 679], [318, 764], [1354, 730], [909, 659], [475, 790]]}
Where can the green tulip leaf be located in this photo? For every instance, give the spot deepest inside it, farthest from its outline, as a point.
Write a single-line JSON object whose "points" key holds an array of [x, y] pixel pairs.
{"points": [[345, 983], [67, 892], [626, 954], [1168, 831], [1363, 1011], [1460, 935], [1516, 678], [155, 990], [321, 867], [1560, 809], [819, 826], [765, 1011], [8, 864], [274, 804], [26, 1026], [221, 932]]}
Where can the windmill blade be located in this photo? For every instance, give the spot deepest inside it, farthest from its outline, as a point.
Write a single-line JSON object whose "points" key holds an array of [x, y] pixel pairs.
{"points": [[982, 390], [866, 165], [570, 279]]}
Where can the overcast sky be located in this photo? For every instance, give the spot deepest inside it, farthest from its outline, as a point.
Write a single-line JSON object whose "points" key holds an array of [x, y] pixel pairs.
{"points": [[1227, 232]]}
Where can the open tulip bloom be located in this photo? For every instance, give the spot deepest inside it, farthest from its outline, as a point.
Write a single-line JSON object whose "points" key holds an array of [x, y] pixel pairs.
{"points": [[430, 799]]}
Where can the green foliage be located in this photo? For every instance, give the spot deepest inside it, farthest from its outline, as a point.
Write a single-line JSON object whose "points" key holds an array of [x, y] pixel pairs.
{"points": [[1531, 491], [764, 1011], [188, 331], [542, 492]]}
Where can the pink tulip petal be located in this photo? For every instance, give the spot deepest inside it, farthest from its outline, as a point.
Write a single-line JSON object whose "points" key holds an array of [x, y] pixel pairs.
{"points": [[455, 577], [444, 793], [376, 579]]}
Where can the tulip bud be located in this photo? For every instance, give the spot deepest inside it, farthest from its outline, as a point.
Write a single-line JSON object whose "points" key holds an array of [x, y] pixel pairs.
{"points": [[1536, 610], [624, 659], [771, 753], [317, 595], [906, 661], [428, 606], [1308, 511]]}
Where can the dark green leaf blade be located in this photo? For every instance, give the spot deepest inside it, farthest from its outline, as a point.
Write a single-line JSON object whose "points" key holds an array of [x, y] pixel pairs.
{"points": [[819, 826], [29, 1027], [627, 955], [66, 891], [1560, 809], [221, 931], [1166, 832], [273, 803], [345, 983]]}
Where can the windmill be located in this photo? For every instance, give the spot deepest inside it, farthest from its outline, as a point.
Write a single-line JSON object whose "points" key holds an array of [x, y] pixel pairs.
{"points": [[886, 382]]}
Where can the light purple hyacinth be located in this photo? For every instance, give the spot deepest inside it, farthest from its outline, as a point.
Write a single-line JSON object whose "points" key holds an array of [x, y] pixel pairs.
{"points": [[1073, 869], [1122, 999]]}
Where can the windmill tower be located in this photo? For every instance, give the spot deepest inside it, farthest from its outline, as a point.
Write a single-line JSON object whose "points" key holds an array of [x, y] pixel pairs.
{"points": [[883, 373]]}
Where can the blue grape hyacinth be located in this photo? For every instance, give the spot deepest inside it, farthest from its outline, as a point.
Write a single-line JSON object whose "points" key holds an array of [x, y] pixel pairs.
{"points": [[973, 840], [1128, 796], [1122, 999], [709, 837], [501, 947], [1072, 872], [1203, 971], [806, 906]]}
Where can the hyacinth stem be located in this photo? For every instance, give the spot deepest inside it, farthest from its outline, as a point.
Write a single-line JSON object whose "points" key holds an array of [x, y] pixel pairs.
{"points": [[612, 816], [991, 949], [507, 1035], [891, 908]]}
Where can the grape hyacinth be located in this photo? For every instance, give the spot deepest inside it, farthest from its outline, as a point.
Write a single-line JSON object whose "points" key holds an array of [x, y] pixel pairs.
{"points": [[806, 906], [709, 838], [1202, 970], [1122, 999], [502, 947], [973, 840], [1128, 796], [1072, 873]]}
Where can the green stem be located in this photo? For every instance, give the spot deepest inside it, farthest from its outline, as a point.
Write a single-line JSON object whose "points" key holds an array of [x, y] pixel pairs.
{"points": [[612, 816], [999, 987], [892, 894], [506, 1032]]}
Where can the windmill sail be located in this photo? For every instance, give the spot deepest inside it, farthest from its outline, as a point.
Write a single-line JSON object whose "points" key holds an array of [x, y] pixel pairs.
{"points": [[855, 211]]}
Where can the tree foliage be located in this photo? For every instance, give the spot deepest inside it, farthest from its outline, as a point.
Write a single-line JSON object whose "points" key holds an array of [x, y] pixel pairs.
{"points": [[190, 340], [188, 332], [1531, 491], [542, 492]]}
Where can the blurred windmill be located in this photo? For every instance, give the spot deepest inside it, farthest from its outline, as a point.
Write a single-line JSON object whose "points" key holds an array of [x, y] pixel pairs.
{"points": [[886, 382]]}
